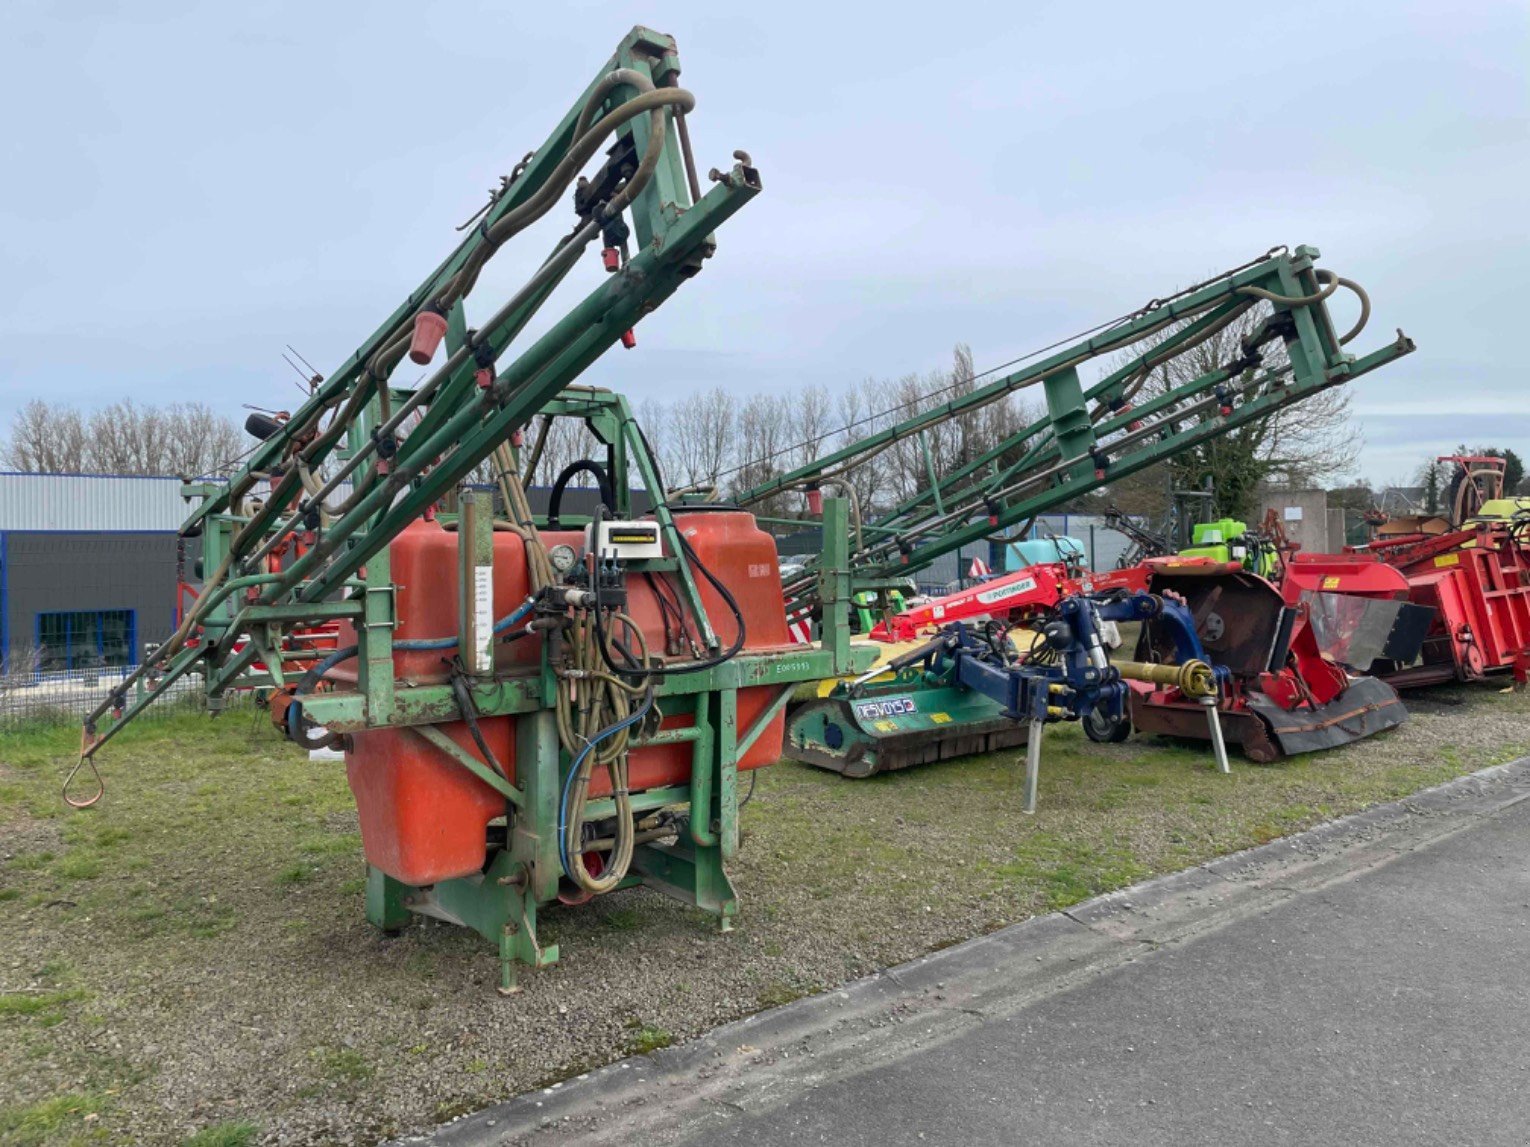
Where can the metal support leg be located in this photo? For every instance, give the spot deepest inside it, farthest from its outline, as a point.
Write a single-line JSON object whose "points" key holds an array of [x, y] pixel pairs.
{"points": [[1033, 763], [1218, 745], [385, 900]]}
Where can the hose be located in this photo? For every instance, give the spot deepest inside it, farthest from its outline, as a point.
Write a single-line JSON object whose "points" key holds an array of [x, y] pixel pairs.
{"points": [[316, 672], [571, 810], [560, 483], [586, 140], [647, 671], [1329, 280]]}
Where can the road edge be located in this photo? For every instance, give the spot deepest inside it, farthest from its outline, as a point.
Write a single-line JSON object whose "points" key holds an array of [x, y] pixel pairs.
{"points": [[760, 1060]]}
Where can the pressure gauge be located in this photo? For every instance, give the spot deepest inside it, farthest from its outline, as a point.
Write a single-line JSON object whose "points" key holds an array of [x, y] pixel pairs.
{"points": [[563, 558]]}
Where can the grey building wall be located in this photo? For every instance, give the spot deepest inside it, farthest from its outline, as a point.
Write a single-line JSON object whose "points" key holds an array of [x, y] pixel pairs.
{"points": [[74, 572], [90, 502]]}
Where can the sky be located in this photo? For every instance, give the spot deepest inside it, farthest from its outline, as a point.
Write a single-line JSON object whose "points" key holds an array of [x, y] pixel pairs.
{"points": [[190, 187]]}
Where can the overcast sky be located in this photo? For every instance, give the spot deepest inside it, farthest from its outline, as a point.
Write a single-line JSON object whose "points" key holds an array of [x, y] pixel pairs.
{"points": [[188, 187]]}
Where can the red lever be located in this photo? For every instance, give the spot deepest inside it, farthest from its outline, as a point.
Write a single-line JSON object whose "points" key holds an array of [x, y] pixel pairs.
{"points": [[629, 339], [611, 259], [429, 330]]}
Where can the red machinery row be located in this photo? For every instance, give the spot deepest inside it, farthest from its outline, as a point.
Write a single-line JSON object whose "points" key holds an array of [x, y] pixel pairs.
{"points": [[1316, 654]]}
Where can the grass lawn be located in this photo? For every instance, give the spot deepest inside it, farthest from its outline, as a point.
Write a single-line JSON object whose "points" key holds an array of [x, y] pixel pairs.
{"points": [[188, 961]]}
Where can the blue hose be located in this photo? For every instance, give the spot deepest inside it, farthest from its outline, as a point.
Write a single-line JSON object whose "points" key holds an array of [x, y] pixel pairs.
{"points": [[411, 645], [568, 782]]}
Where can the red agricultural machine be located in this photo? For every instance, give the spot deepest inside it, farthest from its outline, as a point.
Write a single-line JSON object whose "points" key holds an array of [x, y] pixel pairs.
{"points": [[1466, 575]]}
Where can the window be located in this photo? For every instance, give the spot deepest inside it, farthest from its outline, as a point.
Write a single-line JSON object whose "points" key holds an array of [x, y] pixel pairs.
{"points": [[87, 640]]}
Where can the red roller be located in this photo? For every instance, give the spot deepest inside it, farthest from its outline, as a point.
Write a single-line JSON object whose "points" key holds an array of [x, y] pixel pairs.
{"points": [[429, 330]]}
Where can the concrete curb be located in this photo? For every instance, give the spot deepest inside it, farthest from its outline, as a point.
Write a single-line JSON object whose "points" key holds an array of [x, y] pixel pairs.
{"points": [[765, 1058]]}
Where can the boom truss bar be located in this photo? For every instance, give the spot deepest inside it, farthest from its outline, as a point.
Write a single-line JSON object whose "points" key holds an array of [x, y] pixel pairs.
{"points": [[394, 452], [1091, 436]]}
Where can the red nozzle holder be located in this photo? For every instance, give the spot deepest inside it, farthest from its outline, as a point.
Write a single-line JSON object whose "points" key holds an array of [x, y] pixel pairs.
{"points": [[815, 501], [517, 438], [484, 377], [611, 259], [1225, 409], [430, 513], [629, 338], [993, 519], [1134, 425], [429, 330]]}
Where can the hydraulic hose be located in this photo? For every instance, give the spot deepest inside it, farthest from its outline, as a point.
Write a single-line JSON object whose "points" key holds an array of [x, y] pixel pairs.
{"points": [[560, 483], [310, 680]]}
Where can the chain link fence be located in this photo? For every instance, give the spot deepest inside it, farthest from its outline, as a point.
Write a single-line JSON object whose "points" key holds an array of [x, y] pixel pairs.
{"points": [[68, 695]]}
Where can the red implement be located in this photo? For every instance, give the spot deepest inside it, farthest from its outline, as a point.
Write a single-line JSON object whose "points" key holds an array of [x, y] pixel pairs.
{"points": [[1008, 597]]}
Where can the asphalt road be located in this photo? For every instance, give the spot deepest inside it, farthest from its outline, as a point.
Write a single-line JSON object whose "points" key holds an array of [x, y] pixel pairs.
{"points": [[1362, 983], [1393, 1008]]}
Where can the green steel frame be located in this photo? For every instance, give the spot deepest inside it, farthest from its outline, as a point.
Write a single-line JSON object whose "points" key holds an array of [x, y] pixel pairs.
{"points": [[1090, 436], [257, 614]]}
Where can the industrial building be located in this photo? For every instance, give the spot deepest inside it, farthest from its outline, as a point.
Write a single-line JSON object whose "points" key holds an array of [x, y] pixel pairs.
{"points": [[90, 565], [87, 568]]}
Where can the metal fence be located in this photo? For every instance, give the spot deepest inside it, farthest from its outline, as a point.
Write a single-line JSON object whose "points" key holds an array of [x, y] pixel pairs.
{"points": [[71, 694]]}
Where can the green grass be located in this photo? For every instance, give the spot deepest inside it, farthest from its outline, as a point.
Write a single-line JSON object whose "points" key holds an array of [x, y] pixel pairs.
{"points": [[35, 1124], [343, 1064], [646, 1037], [35, 1003], [217, 890], [224, 1135]]}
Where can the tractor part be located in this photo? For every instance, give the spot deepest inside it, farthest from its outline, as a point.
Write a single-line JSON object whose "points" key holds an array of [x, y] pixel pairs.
{"points": [[964, 691], [1011, 598], [1462, 597], [896, 726], [1281, 695]]}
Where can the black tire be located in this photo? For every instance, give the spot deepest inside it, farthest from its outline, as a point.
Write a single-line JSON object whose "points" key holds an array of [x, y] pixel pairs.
{"points": [[1106, 730]]}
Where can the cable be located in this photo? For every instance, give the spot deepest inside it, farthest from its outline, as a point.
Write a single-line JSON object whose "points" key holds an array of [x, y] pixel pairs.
{"points": [[689, 667]]}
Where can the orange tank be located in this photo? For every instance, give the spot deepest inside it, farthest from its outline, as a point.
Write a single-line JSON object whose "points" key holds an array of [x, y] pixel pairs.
{"points": [[423, 816]]}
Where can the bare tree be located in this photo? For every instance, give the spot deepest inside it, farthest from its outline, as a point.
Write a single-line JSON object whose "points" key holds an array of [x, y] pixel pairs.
{"points": [[183, 438], [764, 446], [47, 439], [699, 437], [652, 422], [812, 414]]}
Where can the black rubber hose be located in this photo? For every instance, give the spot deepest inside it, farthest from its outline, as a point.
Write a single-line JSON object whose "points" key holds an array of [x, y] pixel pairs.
{"points": [[560, 483], [694, 667]]}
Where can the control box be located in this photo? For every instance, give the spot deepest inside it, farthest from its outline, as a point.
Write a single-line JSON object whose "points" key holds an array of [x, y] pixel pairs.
{"points": [[623, 541]]}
